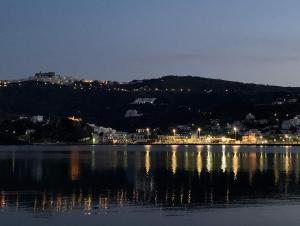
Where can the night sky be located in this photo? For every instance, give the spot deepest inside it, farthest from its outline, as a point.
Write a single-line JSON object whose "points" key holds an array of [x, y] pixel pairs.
{"points": [[245, 40]]}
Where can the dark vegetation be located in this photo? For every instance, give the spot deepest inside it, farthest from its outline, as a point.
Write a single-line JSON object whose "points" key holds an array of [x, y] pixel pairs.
{"points": [[180, 100]]}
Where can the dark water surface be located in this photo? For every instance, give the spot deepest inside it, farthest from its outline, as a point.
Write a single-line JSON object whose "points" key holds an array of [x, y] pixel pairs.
{"points": [[149, 185]]}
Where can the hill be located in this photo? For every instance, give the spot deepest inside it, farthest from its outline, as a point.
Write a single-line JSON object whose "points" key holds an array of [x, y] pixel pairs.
{"points": [[172, 100]]}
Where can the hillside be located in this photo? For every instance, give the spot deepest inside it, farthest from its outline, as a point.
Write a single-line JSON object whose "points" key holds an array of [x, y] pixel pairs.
{"points": [[177, 100]]}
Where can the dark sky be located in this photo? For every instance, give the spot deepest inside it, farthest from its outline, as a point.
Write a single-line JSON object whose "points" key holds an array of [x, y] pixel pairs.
{"points": [[245, 40]]}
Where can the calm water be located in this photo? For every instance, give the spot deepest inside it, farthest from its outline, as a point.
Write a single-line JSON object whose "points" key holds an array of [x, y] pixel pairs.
{"points": [[146, 185]]}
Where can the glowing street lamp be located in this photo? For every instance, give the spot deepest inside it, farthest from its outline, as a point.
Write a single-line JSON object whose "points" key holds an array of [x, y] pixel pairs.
{"points": [[148, 132], [174, 132], [235, 129], [199, 132]]}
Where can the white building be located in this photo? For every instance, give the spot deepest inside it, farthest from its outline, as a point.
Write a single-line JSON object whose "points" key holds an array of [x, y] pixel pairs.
{"points": [[287, 124], [100, 129], [102, 135], [144, 101], [250, 117], [51, 77], [132, 113], [121, 137], [37, 118], [29, 131]]}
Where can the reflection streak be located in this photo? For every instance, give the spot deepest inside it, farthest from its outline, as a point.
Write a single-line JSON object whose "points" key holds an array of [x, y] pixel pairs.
{"points": [[95, 180]]}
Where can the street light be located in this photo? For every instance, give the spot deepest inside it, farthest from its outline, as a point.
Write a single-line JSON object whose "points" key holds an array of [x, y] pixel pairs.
{"points": [[235, 129], [174, 132], [199, 132], [148, 130]]}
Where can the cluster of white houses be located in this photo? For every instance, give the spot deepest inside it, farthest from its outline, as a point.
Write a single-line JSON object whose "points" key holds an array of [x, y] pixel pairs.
{"points": [[104, 135]]}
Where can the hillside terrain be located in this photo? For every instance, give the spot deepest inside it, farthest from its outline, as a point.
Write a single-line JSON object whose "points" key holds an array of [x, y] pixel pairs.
{"points": [[156, 103]]}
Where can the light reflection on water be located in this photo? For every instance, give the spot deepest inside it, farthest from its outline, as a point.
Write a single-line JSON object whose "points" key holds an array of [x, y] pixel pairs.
{"points": [[103, 178]]}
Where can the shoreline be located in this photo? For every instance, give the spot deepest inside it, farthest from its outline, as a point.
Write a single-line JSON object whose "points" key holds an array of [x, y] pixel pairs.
{"points": [[143, 144]]}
